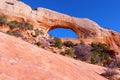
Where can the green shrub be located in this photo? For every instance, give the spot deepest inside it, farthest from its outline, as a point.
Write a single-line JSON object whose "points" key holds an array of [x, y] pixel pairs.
{"points": [[100, 47], [3, 19], [38, 32], [58, 43], [38, 43], [9, 32], [26, 25], [17, 33], [69, 52], [93, 60], [13, 24], [100, 51], [68, 43]]}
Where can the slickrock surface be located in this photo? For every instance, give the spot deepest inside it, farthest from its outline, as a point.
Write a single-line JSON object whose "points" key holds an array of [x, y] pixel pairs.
{"points": [[20, 60]]}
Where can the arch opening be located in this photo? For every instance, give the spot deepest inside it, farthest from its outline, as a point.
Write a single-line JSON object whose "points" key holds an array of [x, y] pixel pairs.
{"points": [[63, 33]]}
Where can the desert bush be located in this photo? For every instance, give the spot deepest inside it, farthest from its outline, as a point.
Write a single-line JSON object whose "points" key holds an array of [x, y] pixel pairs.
{"points": [[38, 43], [101, 51], [82, 52], [68, 43], [117, 61], [26, 25], [13, 24], [93, 60], [68, 52], [99, 47], [9, 32], [17, 33], [3, 19], [58, 43], [109, 73], [103, 57], [44, 42], [38, 32], [51, 41]]}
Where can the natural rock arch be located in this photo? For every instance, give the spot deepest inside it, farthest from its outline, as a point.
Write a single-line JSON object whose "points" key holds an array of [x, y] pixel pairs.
{"points": [[48, 19], [80, 32], [66, 27]]}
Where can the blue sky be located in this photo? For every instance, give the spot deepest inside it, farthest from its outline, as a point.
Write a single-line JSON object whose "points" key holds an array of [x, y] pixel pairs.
{"points": [[104, 12]]}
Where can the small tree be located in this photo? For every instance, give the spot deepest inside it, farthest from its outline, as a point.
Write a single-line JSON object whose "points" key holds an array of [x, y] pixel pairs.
{"points": [[68, 43], [58, 43]]}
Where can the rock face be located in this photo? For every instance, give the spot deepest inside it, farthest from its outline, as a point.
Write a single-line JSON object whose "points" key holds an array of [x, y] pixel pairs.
{"points": [[49, 19], [20, 60], [45, 19]]}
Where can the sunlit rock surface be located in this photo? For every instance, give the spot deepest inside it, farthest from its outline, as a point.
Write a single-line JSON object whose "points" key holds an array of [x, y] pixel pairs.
{"points": [[20, 60]]}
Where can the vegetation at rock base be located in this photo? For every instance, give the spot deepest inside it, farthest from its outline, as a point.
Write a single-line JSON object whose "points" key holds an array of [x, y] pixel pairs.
{"points": [[3, 19], [58, 43], [68, 52], [100, 53], [13, 24], [82, 52], [38, 43], [38, 32], [68, 43], [110, 74], [26, 25], [9, 32], [15, 33]]}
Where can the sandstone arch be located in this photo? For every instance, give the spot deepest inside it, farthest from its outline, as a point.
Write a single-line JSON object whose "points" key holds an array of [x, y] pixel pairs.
{"points": [[65, 27], [80, 32], [48, 19]]}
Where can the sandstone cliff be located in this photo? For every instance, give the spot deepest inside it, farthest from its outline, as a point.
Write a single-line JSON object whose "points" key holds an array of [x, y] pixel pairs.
{"points": [[45, 19]]}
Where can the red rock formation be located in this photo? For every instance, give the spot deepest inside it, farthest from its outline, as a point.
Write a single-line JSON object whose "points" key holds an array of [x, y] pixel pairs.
{"points": [[45, 19], [20, 60]]}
